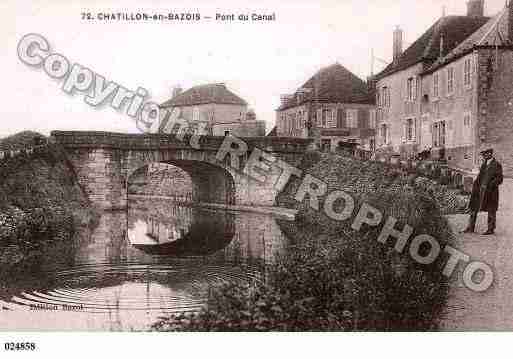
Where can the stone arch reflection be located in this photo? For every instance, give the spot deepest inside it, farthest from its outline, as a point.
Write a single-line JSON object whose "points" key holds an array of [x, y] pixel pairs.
{"points": [[166, 228]]}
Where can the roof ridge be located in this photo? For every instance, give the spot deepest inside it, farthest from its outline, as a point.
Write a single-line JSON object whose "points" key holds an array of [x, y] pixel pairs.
{"points": [[499, 18]]}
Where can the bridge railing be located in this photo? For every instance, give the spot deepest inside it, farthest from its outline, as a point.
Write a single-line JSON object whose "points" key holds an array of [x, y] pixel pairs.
{"points": [[159, 141]]}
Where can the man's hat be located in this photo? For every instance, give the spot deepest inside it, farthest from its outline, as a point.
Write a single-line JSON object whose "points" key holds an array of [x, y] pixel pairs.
{"points": [[485, 148]]}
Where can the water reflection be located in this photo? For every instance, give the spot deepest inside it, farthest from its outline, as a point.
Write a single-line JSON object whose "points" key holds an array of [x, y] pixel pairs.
{"points": [[179, 231], [155, 259]]}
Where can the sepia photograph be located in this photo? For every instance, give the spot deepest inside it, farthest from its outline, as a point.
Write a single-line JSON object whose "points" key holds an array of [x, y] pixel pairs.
{"points": [[255, 167]]}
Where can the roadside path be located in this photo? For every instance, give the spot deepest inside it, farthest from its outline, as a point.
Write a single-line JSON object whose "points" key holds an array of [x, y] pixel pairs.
{"points": [[492, 309]]}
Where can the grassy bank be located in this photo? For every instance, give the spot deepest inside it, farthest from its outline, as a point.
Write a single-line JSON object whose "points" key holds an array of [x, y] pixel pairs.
{"points": [[334, 278], [40, 202]]}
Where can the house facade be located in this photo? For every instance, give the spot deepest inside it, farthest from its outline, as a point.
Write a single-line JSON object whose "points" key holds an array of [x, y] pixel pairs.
{"points": [[451, 91], [212, 109], [333, 106]]}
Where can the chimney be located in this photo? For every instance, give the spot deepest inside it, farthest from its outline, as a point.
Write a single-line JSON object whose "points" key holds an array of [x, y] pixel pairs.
{"points": [[177, 90], [398, 43], [475, 8]]}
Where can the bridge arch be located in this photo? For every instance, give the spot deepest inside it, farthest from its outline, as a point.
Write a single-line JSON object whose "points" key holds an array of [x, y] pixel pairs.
{"points": [[210, 183], [104, 161]]}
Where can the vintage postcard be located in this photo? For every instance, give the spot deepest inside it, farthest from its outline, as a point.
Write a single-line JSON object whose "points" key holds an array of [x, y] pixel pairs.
{"points": [[329, 166]]}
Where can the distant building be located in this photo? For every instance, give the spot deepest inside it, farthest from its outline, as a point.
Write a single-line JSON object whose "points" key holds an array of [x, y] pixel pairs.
{"points": [[218, 110], [333, 107], [451, 90]]}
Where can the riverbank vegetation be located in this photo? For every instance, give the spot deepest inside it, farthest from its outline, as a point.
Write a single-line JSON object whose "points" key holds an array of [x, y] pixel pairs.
{"points": [[334, 278], [40, 202]]}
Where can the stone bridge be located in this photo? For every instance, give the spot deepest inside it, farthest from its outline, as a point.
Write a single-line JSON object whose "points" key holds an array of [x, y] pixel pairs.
{"points": [[104, 162]]}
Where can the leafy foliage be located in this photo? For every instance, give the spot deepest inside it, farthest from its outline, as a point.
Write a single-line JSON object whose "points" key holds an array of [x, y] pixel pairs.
{"points": [[40, 201], [334, 278]]}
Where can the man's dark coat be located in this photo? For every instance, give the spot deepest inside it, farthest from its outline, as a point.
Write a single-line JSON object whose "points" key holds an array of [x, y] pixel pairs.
{"points": [[485, 191]]}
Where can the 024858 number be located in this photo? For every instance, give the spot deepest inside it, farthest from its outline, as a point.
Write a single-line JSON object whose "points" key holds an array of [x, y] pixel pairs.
{"points": [[19, 346]]}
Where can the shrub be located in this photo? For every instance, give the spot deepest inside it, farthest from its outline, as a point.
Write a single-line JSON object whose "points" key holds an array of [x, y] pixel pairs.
{"points": [[334, 278], [40, 201]]}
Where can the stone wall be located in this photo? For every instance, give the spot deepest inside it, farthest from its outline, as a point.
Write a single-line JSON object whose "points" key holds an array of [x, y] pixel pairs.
{"points": [[496, 104]]}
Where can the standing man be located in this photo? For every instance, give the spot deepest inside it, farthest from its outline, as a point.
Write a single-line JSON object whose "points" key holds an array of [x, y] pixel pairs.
{"points": [[485, 192]]}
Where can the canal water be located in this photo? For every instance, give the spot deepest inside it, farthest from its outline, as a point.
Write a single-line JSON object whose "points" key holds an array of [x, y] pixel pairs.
{"points": [[155, 259]]}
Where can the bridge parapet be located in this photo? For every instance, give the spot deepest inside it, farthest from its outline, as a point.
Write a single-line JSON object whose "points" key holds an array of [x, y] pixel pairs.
{"points": [[111, 140]]}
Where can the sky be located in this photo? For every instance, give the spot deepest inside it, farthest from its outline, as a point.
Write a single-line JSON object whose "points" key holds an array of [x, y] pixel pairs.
{"points": [[259, 61]]}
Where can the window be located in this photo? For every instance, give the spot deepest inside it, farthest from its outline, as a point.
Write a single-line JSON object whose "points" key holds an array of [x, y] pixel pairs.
{"points": [[385, 97], [450, 80], [352, 118], [466, 72], [467, 128], [195, 114], [372, 118], [409, 130], [378, 98], [384, 134], [332, 119], [436, 79], [326, 118], [466, 120], [411, 89], [439, 134]]}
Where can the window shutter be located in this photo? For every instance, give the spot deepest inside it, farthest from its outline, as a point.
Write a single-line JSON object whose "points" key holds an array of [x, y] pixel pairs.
{"points": [[415, 129], [319, 117], [404, 131]]}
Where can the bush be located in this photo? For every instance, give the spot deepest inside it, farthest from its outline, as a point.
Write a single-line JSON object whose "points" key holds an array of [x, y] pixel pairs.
{"points": [[334, 278], [40, 201]]}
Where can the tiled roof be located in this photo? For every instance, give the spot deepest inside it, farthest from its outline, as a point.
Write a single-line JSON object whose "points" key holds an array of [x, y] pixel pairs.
{"points": [[455, 29], [493, 32], [332, 84], [203, 94]]}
